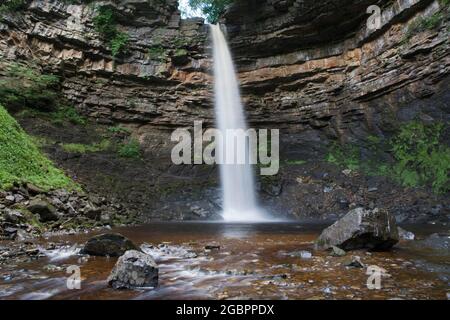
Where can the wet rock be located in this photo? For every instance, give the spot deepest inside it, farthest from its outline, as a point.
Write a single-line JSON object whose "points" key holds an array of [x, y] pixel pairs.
{"points": [[13, 216], [134, 270], [44, 209], [10, 199], [337, 252], [303, 254], [405, 235], [355, 262], [360, 228], [111, 244], [212, 247]]}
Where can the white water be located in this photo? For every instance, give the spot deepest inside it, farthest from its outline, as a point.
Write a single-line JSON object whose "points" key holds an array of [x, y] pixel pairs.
{"points": [[239, 200]]}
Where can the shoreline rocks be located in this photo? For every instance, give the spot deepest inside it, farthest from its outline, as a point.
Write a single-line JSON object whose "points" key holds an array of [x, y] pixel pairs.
{"points": [[361, 229], [108, 244]]}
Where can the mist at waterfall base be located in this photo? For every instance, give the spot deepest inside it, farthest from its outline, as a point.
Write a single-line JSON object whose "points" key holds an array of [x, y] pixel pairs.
{"points": [[237, 180]]}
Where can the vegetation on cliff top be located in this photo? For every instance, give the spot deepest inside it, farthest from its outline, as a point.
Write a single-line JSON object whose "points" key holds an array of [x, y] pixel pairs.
{"points": [[22, 162], [419, 156], [212, 9]]}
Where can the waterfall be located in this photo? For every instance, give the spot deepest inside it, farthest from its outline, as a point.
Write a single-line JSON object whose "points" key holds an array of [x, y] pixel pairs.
{"points": [[237, 180]]}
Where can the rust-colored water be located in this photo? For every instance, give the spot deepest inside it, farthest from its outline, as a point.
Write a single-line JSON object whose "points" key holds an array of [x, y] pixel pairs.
{"points": [[254, 262]]}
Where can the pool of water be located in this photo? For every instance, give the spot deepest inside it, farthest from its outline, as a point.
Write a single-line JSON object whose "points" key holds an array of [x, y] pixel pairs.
{"points": [[255, 261]]}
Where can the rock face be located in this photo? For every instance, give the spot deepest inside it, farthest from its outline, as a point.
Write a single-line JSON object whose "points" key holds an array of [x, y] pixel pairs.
{"points": [[134, 270], [311, 68], [372, 229], [160, 81], [112, 245], [327, 76]]}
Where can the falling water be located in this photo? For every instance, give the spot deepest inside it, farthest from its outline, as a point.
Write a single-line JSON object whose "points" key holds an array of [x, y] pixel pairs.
{"points": [[239, 200]]}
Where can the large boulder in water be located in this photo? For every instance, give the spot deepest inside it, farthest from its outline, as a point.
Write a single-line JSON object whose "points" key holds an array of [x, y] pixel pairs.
{"points": [[134, 270], [110, 244], [360, 228]]}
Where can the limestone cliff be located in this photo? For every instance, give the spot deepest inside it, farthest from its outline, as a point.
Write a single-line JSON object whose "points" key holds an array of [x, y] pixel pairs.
{"points": [[314, 68], [310, 68]]}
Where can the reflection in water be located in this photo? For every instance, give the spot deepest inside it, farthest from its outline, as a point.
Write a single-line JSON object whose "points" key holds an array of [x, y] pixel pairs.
{"points": [[258, 261]]}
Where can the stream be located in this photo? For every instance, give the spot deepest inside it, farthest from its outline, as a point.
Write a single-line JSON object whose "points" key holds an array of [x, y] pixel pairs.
{"points": [[254, 261]]}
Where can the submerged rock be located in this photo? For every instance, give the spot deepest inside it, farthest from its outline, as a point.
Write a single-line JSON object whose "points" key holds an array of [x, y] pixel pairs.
{"points": [[110, 244], [134, 270], [358, 229], [337, 252], [44, 209]]}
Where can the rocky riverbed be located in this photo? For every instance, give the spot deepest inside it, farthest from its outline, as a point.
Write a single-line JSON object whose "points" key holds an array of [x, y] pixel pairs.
{"points": [[237, 261]]}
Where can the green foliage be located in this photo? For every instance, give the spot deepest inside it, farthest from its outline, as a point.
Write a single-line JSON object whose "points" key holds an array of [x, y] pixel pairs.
{"points": [[67, 114], [12, 6], [24, 86], [157, 53], [130, 149], [422, 24], [421, 159], [120, 130], [119, 43], [86, 148], [212, 9], [21, 161], [347, 156], [105, 23]]}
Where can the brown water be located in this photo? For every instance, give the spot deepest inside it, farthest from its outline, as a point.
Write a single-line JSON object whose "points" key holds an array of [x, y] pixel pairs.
{"points": [[255, 261]]}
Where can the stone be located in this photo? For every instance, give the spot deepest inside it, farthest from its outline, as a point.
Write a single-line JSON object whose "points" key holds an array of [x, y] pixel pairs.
{"points": [[355, 262], [33, 190], [405, 235], [44, 209], [13, 216], [361, 229], [109, 244], [134, 269], [337, 252]]}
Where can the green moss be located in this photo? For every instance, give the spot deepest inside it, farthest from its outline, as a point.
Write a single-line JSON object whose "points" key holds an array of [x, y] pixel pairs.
{"points": [[119, 43], [25, 86], [12, 6], [295, 162], [105, 23], [67, 114], [157, 53], [21, 160], [119, 129], [419, 156], [346, 156], [130, 149], [86, 148], [422, 24]]}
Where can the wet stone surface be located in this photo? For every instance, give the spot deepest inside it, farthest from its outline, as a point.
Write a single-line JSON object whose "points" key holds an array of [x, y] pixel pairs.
{"points": [[262, 261]]}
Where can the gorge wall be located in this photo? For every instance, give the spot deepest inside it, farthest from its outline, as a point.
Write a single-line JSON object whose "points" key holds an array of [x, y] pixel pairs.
{"points": [[310, 68]]}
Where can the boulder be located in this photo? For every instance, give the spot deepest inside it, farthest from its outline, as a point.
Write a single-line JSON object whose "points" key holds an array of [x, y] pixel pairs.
{"points": [[134, 270], [361, 229], [44, 209], [110, 244]]}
